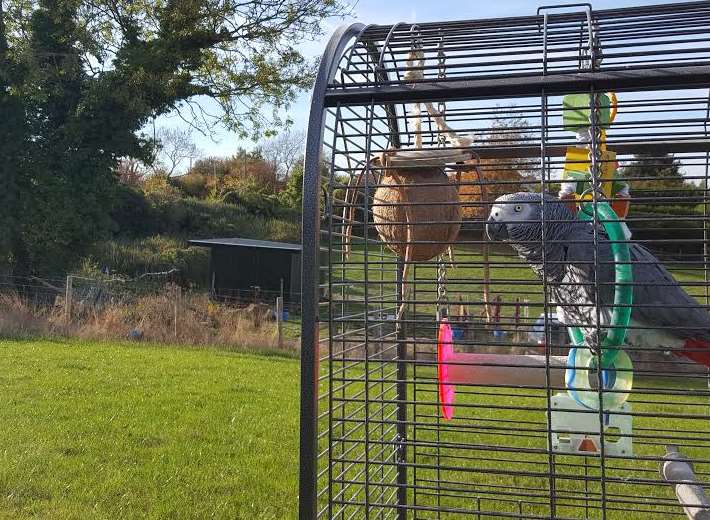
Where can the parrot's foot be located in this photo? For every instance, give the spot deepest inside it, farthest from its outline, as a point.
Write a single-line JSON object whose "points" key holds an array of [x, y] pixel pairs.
{"points": [[593, 341]]}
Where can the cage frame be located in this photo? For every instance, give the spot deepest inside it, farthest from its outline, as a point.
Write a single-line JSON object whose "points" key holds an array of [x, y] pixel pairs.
{"points": [[326, 95]]}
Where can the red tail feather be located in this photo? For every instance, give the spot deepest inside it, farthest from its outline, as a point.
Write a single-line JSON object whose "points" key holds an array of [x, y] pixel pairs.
{"points": [[697, 350]]}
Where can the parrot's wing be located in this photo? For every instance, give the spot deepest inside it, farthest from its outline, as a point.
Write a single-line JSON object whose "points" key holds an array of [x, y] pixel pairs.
{"points": [[576, 292], [660, 301]]}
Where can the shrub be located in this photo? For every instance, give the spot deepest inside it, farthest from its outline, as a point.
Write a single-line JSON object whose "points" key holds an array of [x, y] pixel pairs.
{"points": [[151, 229], [151, 316], [292, 195], [193, 185], [20, 319], [197, 218], [153, 254], [255, 203], [159, 183], [169, 213], [131, 213]]}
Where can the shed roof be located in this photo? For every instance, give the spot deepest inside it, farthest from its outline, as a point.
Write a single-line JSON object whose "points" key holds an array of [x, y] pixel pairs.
{"points": [[245, 242]]}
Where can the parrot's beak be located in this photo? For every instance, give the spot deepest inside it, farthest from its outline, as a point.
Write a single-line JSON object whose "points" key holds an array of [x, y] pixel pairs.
{"points": [[496, 230]]}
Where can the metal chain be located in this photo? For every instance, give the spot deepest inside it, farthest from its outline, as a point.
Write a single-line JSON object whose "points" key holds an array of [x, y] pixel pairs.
{"points": [[596, 49], [442, 299], [595, 148], [416, 37], [595, 157], [441, 107], [596, 135], [595, 172], [595, 132]]}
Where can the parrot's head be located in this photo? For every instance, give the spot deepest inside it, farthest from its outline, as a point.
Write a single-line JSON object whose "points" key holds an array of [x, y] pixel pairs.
{"points": [[517, 218]]}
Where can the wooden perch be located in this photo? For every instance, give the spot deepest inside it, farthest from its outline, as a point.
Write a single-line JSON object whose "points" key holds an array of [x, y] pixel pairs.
{"points": [[678, 471]]}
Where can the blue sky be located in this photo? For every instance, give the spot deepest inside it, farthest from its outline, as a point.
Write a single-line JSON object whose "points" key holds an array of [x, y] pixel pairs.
{"points": [[389, 12]]}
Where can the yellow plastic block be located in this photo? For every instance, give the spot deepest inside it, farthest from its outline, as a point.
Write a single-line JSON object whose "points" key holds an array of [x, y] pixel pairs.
{"points": [[576, 160], [577, 164]]}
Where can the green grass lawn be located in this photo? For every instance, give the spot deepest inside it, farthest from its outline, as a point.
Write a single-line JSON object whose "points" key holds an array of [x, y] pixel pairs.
{"points": [[496, 449], [100, 430], [511, 279], [492, 459]]}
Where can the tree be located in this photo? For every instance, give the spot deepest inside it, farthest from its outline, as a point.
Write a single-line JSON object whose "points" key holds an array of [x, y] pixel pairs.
{"points": [[283, 152], [496, 177], [210, 167], [69, 151], [175, 146], [654, 172], [243, 171], [491, 178], [158, 183], [130, 171], [654, 176], [86, 76], [292, 195], [13, 135], [166, 54]]}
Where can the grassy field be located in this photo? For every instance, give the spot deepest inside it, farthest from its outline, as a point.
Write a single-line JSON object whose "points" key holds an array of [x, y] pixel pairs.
{"points": [[99, 430], [496, 449], [510, 279], [492, 460]]}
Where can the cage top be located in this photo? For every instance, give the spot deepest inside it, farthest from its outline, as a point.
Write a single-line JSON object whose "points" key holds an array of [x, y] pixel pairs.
{"points": [[656, 46]]}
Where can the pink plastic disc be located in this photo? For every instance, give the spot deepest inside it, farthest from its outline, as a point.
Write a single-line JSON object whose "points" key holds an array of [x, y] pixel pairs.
{"points": [[445, 354]]}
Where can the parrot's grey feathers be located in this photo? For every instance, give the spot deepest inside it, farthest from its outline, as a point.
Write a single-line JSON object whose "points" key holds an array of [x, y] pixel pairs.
{"points": [[658, 300], [661, 301]]}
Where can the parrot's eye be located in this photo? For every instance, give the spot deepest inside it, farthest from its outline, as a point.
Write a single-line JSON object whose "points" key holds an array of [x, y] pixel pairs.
{"points": [[518, 208]]}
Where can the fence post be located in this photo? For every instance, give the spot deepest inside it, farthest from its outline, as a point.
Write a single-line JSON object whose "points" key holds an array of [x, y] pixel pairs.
{"points": [[68, 295], [178, 295], [279, 319]]}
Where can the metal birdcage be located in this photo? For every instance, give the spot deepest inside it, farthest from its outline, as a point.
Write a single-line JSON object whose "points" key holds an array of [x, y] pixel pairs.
{"points": [[455, 362]]}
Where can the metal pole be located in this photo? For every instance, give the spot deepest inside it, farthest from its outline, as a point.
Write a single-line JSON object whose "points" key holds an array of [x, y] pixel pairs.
{"points": [[280, 313], [279, 319], [68, 294], [308, 492], [401, 402], [178, 295]]}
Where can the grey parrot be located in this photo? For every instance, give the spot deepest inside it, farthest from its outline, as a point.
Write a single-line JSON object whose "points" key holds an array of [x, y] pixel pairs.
{"points": [[663, 316]]}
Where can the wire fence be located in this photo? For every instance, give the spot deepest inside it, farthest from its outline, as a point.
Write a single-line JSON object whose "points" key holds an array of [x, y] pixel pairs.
{"points": [[152, 307]]}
